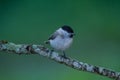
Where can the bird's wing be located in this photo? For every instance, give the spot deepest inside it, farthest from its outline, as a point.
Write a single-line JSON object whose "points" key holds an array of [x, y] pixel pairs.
{"points": [[53, 36]]}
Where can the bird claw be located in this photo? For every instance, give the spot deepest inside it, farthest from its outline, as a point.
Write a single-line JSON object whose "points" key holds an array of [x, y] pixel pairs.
{"points": [[64, 56]]}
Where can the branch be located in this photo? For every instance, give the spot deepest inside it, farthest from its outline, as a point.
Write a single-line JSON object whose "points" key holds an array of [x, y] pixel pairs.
{"points": [[41, 50]]}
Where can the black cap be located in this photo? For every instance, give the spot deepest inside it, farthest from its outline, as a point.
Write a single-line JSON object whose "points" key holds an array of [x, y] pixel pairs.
{"points": [[67, 28]]}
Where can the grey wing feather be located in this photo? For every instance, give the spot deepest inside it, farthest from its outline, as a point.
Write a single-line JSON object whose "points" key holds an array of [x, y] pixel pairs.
{"points": [[53, 36]]}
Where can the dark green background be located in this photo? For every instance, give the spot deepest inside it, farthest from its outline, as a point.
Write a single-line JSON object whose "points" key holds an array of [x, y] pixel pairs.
{"points": [[97, 41]]}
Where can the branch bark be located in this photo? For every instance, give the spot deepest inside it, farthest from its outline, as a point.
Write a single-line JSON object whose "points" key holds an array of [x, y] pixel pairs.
{"points": [[41, 50]]}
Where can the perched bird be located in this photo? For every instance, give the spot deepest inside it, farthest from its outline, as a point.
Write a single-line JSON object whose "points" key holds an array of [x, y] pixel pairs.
{"points": [[61, 39]]}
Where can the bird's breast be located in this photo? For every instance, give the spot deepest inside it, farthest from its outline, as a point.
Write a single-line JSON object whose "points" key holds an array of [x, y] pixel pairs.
{"points": [[61, 43]]}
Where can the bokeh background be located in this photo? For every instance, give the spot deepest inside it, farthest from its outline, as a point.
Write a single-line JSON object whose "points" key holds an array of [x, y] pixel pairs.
{"points": [[97, 41]]}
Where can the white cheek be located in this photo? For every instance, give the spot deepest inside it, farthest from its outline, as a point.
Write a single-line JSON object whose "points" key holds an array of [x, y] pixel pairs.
{"points": [[62, 32]]}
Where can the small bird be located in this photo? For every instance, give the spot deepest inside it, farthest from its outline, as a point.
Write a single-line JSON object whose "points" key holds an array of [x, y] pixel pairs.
{"points": [[61, 39]]}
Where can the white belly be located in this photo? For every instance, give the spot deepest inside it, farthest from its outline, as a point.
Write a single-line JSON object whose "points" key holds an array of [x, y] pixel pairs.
{"points": [[60, 43]]}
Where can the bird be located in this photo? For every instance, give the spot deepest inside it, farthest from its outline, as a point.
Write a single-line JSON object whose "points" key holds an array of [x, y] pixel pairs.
{"points": [[61, 39]]}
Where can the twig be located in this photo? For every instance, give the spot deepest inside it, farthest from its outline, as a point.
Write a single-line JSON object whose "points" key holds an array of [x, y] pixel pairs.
{"points": [[41, 50]]}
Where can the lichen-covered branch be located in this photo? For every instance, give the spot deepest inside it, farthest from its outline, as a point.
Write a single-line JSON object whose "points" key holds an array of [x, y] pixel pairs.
{"points": [[41, 50]]}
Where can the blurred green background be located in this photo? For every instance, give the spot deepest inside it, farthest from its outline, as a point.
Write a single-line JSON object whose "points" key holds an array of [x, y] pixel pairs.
{"points": [[97, 41]]}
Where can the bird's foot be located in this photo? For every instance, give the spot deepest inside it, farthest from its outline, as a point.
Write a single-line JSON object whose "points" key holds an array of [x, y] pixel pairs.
{"points": [[64, 55]]}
